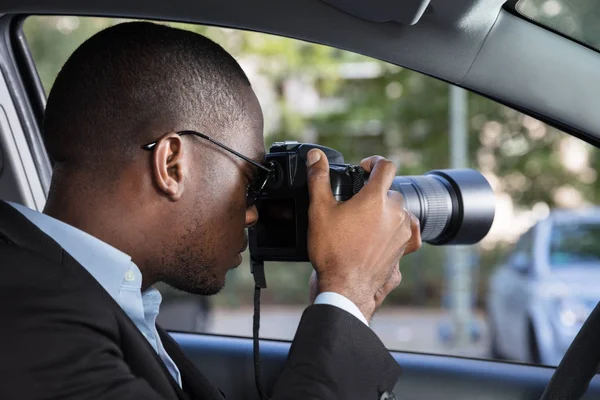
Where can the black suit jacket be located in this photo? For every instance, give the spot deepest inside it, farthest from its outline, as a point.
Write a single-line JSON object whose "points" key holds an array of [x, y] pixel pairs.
{"points": [[63, 337]]}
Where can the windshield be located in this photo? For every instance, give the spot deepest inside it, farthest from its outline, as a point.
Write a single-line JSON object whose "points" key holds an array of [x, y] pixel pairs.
{"points": [[577, 243], [577, 19]]}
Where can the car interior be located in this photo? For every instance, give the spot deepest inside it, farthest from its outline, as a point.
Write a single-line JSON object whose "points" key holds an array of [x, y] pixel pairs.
{"points": [[483, 46]]}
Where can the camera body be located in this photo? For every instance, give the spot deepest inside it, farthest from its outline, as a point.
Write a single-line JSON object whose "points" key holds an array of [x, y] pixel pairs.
{"points": [[453, 206], [280, 234]]}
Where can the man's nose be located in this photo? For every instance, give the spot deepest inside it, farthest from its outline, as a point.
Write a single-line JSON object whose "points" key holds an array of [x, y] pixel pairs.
{"points": [[251, 216]]}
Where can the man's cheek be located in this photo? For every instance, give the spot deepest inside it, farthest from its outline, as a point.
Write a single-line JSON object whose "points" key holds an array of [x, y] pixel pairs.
{"points": [[228, 224]]}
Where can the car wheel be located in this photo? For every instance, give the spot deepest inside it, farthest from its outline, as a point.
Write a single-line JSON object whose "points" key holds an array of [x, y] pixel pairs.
{"points": [[534, 350]]}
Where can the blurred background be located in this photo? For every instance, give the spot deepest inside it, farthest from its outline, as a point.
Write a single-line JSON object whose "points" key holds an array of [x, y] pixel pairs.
{"points": [[520, 294]]}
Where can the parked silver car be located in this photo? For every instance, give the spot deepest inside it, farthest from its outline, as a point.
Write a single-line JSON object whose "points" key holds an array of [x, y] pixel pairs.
{"points": [[545, 289]]}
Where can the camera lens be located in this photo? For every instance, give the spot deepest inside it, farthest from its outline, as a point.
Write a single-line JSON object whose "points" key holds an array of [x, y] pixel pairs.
{"points": [[454, 206]]}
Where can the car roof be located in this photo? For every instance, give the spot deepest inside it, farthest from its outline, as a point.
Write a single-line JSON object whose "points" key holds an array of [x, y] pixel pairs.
{"points": [[476, 44]]}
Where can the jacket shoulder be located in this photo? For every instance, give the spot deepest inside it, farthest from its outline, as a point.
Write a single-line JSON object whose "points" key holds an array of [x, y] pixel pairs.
{"points": [[17, 262], [29, 281]]}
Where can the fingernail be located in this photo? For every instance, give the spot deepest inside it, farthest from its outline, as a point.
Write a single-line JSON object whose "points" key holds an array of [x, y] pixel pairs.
{"points": [[312, 157]]}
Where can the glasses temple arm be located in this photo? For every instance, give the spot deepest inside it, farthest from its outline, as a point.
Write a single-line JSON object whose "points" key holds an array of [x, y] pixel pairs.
{"points": [[221, 145]]}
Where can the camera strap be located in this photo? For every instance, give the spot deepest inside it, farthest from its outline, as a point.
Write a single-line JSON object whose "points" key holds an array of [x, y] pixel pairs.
{"points": [[260, 282]]}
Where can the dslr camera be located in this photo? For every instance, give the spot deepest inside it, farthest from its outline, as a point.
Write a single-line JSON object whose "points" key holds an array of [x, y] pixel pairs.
{"points": [[454, 206]]}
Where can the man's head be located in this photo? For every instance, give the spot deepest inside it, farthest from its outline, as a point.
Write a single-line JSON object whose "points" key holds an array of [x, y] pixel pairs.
{"points": [[179, 210]]}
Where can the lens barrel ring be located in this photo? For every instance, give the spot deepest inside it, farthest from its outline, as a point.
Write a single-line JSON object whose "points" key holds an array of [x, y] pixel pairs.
{"points": [[436, 206]]}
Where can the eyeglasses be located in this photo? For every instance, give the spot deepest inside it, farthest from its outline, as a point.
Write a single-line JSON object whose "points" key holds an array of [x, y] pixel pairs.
{"points": [[255, 188]]}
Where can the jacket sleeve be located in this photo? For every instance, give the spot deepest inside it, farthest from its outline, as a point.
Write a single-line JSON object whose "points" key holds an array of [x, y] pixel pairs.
{"points": [[335, 356], [57, 341]]}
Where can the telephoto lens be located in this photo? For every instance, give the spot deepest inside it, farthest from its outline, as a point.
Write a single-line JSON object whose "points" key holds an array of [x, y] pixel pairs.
{"points": [[454, 206]]}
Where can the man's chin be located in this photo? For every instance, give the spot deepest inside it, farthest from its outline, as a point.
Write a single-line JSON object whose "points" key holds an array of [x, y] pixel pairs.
{"points": [[205, 290], [206, 286]]}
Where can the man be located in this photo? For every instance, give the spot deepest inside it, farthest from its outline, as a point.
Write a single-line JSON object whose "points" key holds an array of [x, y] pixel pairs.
{"points": [[144, 189]]}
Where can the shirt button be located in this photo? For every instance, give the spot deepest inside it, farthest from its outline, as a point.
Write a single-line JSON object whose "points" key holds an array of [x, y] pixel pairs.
{"points": [[129, 276]]}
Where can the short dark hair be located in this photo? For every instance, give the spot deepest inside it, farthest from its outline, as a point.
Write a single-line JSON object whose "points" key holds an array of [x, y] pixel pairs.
{"points": [[133, 81]]}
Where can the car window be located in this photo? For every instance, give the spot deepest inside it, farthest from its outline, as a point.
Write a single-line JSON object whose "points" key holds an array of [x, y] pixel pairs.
{"points": [[575, 245], [361, 106]]}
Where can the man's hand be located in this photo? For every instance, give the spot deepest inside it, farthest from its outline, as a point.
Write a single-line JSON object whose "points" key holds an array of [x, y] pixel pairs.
{"points": [[355, 246]]}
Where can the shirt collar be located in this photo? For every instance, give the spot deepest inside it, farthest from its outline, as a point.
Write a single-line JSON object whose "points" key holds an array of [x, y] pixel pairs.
{"points": [[108, 265]]}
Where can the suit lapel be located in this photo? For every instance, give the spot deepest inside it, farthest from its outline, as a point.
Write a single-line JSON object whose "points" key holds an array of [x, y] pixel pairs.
{"points": [[195, 383]]}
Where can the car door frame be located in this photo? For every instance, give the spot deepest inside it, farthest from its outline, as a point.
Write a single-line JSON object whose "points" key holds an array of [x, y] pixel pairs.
{"points": [[22, 100]]}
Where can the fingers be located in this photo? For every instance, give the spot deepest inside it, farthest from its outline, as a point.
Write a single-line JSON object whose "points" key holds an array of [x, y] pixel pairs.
{"points": [[369, 162], [412, 230], [382, 173], [319, 187], [397, 200], [349, 261], [415, 242]]}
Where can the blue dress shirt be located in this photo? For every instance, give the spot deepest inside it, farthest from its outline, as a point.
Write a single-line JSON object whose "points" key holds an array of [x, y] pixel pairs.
{"points": [[122, 279]]}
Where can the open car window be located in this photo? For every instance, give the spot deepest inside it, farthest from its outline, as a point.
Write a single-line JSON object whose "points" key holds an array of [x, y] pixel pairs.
{"points": [[360, 107]]}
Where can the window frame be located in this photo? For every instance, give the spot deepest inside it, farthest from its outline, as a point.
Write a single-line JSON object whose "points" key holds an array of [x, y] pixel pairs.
{"points": [[31, 99]]}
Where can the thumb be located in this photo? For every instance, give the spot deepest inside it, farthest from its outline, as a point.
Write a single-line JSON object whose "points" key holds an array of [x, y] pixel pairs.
{"points": [[319, 187]]}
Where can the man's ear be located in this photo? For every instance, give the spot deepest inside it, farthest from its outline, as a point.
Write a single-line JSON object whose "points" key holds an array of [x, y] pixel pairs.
{"points": [[167, 165]]}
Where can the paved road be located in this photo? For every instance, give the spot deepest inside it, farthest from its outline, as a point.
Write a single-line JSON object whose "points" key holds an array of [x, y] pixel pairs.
{"points": [[408, 329]]}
